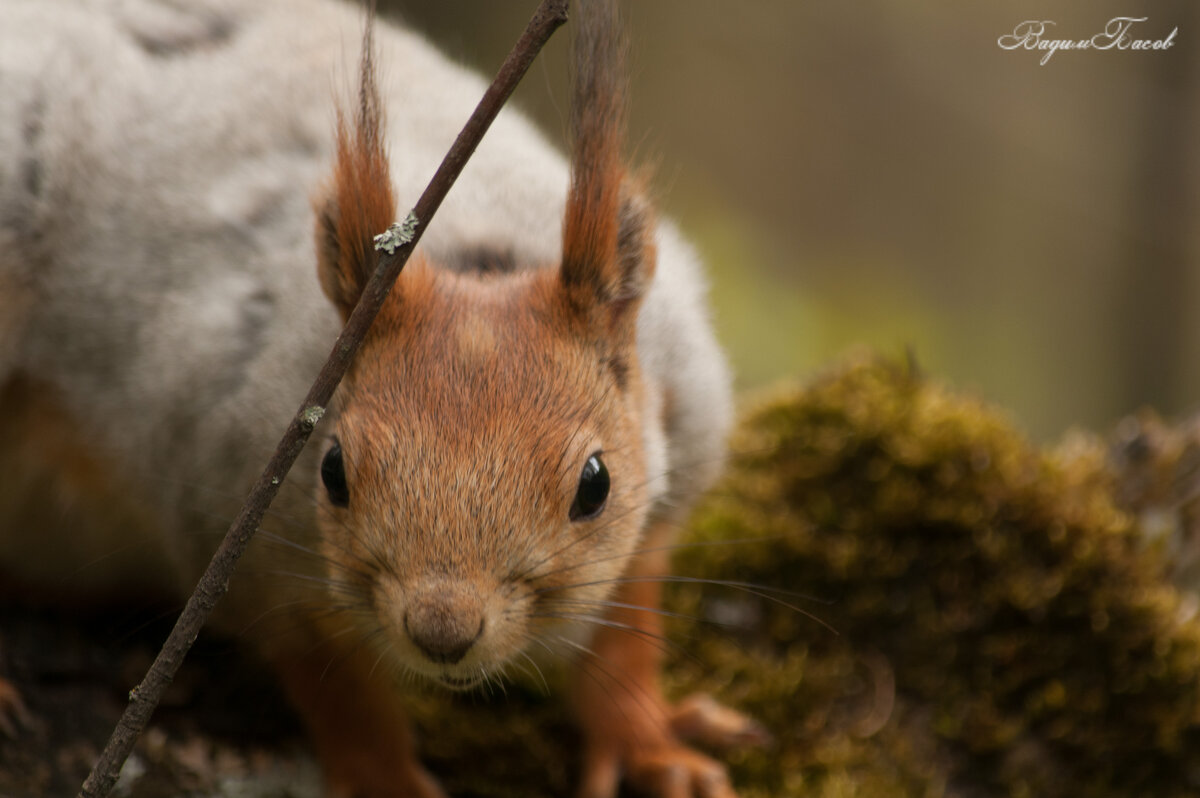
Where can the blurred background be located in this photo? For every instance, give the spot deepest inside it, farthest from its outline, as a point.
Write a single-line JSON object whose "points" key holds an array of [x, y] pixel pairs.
{"points": [[885, 174]]}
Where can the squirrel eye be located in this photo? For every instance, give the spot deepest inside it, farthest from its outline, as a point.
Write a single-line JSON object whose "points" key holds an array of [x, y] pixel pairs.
{"points": [[593, 490], [333, 474]]}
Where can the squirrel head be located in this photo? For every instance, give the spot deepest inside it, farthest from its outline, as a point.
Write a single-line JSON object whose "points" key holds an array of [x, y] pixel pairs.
{"points": [[485, 480]]}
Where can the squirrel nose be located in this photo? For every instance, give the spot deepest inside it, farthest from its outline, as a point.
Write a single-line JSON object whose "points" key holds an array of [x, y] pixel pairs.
{"points": [[444, 628]]}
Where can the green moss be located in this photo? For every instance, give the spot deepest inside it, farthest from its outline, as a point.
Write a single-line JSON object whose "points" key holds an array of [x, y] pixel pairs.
{"points": [[1023, 631], [955, 613]]}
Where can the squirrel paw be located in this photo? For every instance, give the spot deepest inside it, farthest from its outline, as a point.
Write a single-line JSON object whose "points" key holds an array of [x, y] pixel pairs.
{"points": [[701, 719], [670, 770], [12, 710], [654, 761]]}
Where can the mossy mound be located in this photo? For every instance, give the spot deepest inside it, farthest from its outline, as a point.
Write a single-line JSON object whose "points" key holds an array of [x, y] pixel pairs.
{"points": [[1001, 628]]}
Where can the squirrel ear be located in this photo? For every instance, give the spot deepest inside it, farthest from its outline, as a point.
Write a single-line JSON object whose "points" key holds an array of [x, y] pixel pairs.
{"points": [[636, 253], [338, 269], [612, 279], [358, 202], [608, 227]]}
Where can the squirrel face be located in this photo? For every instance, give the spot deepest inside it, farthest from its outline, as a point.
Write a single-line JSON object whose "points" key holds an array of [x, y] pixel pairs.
{"points": [[487, 468], [488, 478]]}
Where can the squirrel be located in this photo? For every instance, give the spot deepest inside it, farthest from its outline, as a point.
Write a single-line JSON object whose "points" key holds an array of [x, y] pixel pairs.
{"points": [[525, 426]]}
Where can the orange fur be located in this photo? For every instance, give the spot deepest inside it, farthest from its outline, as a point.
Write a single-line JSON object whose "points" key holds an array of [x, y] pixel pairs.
{"points": [[360, 202], [591, 225], [357, 723]]}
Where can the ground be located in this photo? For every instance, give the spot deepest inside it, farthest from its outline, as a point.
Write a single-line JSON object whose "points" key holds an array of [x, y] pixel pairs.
{"points": [[911, 597]]}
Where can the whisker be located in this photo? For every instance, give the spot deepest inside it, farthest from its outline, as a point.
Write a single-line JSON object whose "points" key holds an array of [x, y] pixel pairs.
{"points": [[499, 681], [641, 697], [746, 587], [316, 579], [621, 605], [536, 669], [383, 651], [660, 642], [655, 549], [606, 524], [339, 657]]}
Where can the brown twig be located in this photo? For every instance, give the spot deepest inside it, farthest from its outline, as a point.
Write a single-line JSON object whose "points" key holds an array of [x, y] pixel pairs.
{"points": [[215, 581]]}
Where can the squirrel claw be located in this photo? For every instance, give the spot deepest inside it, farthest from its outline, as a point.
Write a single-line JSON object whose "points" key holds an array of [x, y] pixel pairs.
{"points": [[660, 765], [601, 775], [12, 710], [668, 771], [700, 718], [679, 772]]}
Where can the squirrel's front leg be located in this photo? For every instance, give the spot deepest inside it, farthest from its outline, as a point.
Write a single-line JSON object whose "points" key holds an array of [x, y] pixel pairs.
{"points": [[630, 730], [356, 722]]}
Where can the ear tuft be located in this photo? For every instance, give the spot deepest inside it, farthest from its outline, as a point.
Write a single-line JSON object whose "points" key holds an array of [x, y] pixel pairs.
{"points": [[608, 229], [357, 203]]}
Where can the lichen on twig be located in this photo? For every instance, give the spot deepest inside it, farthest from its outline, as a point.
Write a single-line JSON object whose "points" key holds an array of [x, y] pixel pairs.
{"points": [[397, 234]]}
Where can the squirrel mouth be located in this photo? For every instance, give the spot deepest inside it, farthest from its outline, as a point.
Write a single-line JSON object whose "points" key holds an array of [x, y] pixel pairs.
{"points": [[459, 682]]}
